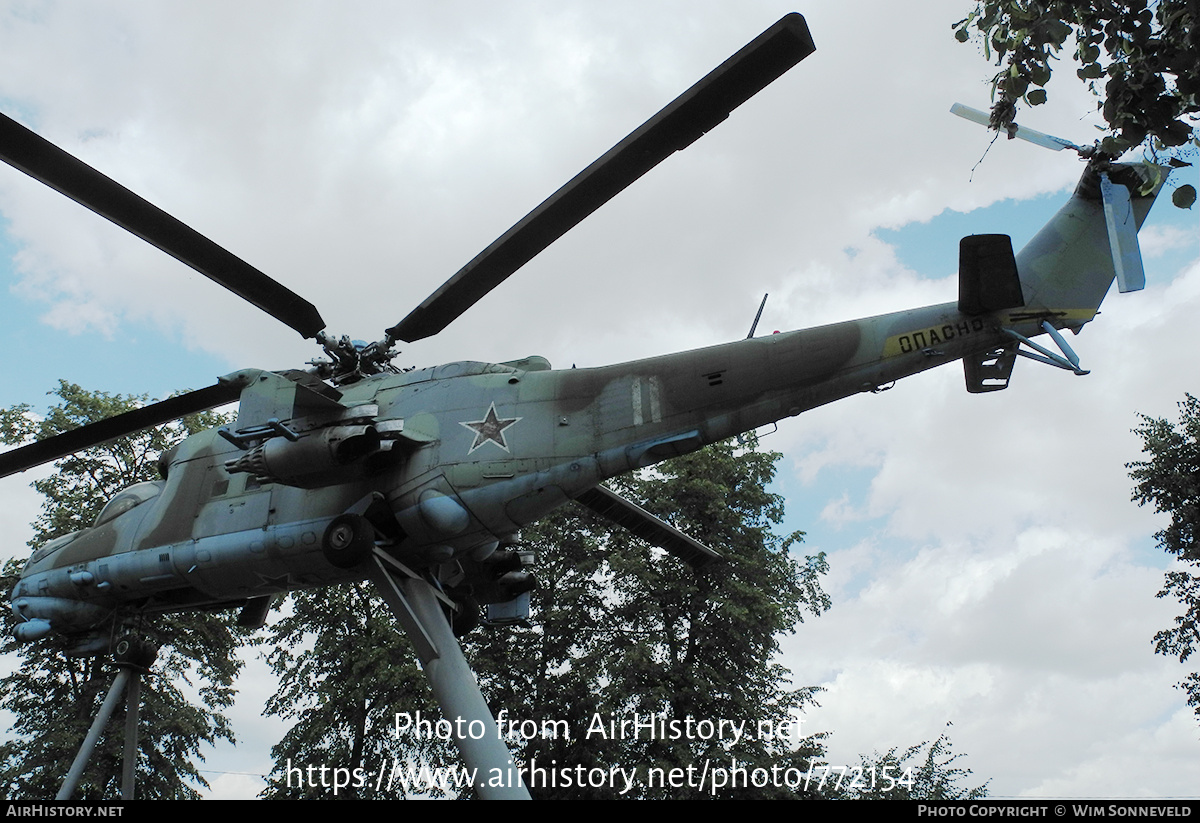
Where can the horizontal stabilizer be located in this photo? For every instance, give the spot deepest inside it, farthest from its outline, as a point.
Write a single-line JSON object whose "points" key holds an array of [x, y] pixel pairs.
{"points": [[990, 370], [987, 275], [641, 523]]}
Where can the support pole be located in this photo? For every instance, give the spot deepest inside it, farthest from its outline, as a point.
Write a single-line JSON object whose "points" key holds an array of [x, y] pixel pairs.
{"points": [[133, 699], [134, 657], [93, 735], [416, 605]]}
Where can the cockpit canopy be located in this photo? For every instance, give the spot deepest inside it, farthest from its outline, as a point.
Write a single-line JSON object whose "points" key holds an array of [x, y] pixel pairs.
{"points": [[127, 499]]}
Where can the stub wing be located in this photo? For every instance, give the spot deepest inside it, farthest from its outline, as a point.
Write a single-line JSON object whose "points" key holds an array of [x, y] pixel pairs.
{"points": [[643, 524]]}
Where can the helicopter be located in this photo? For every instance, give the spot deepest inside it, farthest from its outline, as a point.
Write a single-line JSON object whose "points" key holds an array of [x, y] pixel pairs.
{"points": [[355, 469]]}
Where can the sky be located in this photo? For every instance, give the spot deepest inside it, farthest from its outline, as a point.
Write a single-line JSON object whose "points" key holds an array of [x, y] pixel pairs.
{"points": [[988, 569]]}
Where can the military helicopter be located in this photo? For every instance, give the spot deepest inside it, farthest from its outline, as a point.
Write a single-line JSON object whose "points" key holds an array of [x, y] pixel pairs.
{"points": [[420, 480]]}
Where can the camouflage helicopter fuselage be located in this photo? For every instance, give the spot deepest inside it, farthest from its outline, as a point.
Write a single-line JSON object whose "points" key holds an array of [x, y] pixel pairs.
{"points": [[442, 465]]}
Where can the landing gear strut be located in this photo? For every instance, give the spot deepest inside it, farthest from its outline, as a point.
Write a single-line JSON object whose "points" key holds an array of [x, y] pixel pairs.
{"points": [[418, 607]]}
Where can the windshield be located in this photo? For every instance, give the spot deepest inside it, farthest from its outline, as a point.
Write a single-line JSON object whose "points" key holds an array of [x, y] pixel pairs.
{"points": [[125, 500]]}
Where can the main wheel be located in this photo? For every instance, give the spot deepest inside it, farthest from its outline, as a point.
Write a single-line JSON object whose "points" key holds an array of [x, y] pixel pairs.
{"points": [[465, 618], [134, 652], [348, 541]]}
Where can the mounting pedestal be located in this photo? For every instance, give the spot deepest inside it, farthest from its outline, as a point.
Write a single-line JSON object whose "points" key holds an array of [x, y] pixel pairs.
{"points": [[133, 657]]}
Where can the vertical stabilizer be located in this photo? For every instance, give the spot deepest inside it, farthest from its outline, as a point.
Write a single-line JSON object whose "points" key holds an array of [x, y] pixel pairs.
{"points": [[1067, 268]]}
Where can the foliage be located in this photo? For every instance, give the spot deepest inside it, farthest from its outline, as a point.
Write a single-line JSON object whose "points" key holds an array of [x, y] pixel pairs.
{"points": [[623, 632], [1170, 479], [1140, 59], [353, 672], [53, 698], [932, 777], [618, 630]]}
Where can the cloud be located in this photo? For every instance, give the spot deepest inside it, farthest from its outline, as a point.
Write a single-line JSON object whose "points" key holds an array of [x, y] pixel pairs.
{"points": [[987, 565], [1156, 240]]}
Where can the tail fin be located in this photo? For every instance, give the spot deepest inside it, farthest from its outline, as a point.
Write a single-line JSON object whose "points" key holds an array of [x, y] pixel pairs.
{"points": [[1063, 268], [1068, 267]]}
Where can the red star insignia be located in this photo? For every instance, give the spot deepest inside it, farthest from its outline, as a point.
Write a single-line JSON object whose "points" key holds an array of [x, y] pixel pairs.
{"points": [[490, 429]]}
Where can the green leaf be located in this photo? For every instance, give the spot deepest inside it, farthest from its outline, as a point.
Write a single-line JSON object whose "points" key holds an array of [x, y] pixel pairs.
{"points": [[1184, 196], [1036, 97], [1057, 31], [1114, 146], [1169, 478]]}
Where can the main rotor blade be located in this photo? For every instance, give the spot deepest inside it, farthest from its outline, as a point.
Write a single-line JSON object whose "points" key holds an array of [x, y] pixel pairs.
{"points": [[94, 434], [46, 162], [677, 126]]}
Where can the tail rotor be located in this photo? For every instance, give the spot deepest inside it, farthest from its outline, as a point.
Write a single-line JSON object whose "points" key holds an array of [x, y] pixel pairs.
{"points": [[1118, 209]]}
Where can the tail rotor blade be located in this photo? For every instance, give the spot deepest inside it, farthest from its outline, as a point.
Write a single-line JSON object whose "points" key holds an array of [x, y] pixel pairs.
{"points": [[1046, 141], [1122, 235], [974, 115]]}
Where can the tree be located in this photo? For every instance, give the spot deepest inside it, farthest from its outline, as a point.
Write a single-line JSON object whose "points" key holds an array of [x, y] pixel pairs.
{"points": [[54, 698], [1170, 480], [909, 775], [1140, 59], [626, 633], [353, 672], [619, 632]]}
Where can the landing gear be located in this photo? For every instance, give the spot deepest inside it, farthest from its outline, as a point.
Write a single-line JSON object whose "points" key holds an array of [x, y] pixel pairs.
{"points": [[466, 617], [133, 656], [136, 653], [348, 541], [418, 607], [501, 582]]}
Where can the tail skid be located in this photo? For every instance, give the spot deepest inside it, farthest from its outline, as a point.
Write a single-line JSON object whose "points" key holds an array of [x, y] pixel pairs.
{"points": [[1068, 360], [1062, 275]]}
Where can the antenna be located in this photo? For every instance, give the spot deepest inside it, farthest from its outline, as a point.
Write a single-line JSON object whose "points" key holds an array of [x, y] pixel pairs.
{"points": [[754, 325]]}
